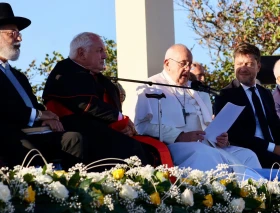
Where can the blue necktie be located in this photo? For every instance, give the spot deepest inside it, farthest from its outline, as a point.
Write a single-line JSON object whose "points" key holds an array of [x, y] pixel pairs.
{"points": [[16, 84]]}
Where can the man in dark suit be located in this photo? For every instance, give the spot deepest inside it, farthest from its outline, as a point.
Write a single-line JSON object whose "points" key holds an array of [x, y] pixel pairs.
{"points": [[90, 102], [257, 127], [19, 107]]}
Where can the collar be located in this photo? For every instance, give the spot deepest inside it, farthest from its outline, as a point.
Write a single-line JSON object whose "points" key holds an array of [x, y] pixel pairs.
{"points": [[77, 64], [246, 87]]}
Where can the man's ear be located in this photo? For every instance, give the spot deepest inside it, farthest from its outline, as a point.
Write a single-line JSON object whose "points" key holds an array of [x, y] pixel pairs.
{"points": [[81, 52], [166, 62], [278, 79]]}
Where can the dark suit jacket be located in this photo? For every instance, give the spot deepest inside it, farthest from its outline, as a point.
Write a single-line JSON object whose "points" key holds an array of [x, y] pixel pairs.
{"points": [[75, 88], [243, 130], [13, 111]]}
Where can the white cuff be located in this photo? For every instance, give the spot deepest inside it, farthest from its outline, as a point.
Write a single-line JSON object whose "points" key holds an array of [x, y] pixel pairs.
{"points": [[271, 147], [120, 116], [32, 117]]}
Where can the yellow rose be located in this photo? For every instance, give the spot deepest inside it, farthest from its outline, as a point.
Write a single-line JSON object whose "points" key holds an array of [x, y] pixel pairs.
{"points": [[118, 174], [188, 181], [60, 172], [208, 201], [100, 200], [224, 182], [162, 176], [155, 198], [100, 197], [244, 192], [166, 175], [29, 195], [262, 206]]}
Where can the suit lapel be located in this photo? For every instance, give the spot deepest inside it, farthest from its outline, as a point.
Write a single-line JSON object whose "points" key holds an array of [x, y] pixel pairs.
{"points": [[264, 101], [242, 99]]}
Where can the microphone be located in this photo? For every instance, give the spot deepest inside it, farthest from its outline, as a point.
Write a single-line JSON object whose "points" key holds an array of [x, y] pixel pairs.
{"points": [[198, 86], [195, 85]]}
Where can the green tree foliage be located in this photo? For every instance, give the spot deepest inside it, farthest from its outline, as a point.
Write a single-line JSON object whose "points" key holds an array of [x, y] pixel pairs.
{"points": [[221, 24], [43, 70]]}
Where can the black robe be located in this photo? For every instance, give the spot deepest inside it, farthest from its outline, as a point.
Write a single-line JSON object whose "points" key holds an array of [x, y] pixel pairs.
{"points": [[79, 91]]}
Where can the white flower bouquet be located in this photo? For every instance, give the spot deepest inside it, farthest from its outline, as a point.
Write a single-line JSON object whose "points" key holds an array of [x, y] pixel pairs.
{"points": [[131, 187]]}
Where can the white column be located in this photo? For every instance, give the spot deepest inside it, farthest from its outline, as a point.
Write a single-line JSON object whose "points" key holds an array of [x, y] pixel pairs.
{"points": [[145, 30]]}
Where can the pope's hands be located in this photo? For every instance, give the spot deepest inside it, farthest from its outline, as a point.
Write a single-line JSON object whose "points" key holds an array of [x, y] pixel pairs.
{"points": [[191, 136], [222, 140]]}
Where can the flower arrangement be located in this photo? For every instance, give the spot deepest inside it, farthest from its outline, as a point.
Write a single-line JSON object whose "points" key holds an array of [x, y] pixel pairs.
{"points": [[131, 187]]}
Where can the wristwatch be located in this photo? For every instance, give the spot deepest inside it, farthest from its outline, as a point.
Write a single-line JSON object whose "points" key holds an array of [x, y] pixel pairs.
{"points": [[39, 115]]}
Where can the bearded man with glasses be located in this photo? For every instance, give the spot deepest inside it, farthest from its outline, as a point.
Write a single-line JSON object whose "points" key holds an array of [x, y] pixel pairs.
{"points": [[19, 107]]}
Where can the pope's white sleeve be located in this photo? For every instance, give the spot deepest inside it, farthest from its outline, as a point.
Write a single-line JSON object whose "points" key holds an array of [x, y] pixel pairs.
{"points": [[169, 134]]}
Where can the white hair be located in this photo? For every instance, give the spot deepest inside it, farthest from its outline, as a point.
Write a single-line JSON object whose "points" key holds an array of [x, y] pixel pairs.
{"points": [[84, 40], [276, 69]]}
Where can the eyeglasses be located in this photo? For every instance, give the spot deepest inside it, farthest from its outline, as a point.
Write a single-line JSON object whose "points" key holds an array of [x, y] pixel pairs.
{"points": [[183, 64], [13, 33]]}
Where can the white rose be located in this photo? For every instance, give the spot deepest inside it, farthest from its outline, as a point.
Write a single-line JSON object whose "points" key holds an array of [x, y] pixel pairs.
{"points": [[5, 194], [128, 192], [187, 197], [147, 172], [58, 190], [218, 187], [95, 176], [43, 179], [273, 187], [238, 204]]}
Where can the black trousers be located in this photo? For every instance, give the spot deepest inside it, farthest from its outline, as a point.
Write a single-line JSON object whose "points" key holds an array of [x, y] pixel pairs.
{"points": [[104, 142], [65, 147]]}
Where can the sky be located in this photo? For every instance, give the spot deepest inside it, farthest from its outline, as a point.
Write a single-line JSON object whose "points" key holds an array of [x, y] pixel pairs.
{"points": [[54, 23]]}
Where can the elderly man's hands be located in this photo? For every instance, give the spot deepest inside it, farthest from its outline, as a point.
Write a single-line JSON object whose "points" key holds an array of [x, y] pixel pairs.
{"points": [[48, 115], [277, 150], [191, 136], [129, 130], [50, 119], [55, 125], [222, 140]]}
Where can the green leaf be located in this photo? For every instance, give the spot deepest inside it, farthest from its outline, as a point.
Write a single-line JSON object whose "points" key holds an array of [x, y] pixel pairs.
{"points": [[85, 184], [251, 203], [44, 169], [27, 178], [74, 180], [163, 186]]}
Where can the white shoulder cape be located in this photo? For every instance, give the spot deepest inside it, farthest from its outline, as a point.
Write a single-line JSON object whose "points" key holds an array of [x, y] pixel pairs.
{"points": [[147, 108]]}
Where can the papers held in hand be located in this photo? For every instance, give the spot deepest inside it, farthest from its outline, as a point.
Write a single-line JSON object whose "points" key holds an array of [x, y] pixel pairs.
{"points": [[37, 130], [223, 121]]}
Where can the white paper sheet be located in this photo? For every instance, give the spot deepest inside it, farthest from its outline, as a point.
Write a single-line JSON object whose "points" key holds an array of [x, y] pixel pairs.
{"points": [[223, 121]]}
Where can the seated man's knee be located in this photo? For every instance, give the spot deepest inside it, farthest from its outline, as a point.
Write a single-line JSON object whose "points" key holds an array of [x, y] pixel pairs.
{"points": [[73, 143]]}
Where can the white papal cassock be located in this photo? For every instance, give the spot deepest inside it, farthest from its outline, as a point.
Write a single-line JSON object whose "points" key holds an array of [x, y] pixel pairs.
{"points": [[196, 155]]}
